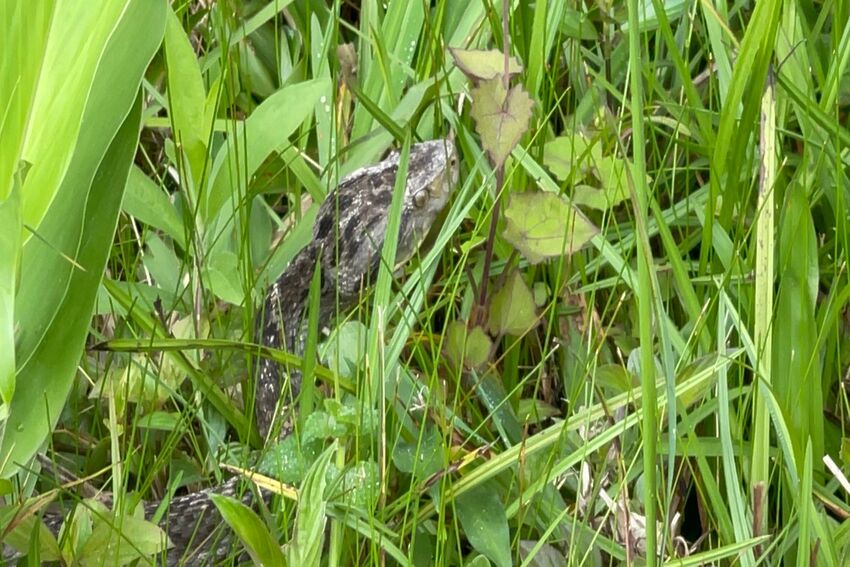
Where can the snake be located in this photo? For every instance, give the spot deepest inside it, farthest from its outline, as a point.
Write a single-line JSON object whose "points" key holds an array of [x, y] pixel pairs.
{"points": [[347, 244]]}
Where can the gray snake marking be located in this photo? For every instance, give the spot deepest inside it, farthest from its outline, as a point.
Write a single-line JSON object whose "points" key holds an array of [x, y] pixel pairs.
{"points": [[348, 237]]}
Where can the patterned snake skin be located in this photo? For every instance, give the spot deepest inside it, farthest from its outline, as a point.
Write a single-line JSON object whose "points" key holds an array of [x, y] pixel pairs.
{"points": [[348, 237]]}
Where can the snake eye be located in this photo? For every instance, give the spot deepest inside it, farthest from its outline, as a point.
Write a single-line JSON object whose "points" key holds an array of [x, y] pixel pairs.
{"points": [[420, 199]]}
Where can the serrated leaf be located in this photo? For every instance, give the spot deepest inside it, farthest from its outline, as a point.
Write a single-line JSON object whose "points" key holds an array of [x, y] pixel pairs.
{"points": [[469, 348], [501, 117], [542, 225], [482, 65], [321, 425], [574, 158], [261, 545], [485, 523], [512, 309]]}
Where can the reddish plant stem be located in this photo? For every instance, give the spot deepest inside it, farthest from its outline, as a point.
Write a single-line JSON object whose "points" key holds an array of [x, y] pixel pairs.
{"points": [[478, 314], [488, 251]]}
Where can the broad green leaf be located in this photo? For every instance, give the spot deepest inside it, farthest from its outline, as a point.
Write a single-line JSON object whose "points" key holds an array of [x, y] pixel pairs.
{"points": [[485, 523], [541, 225], [533, 411], [571, 157], [539, 554], [265, 131], [344, 350], [420, 457], [490, 389], [261, 545], [360, 485], [321, 425], [613, 174], [614, 186], [648, 19], [465, 347], [10, 258], [288, 460], [578, 25], [55, 299], [483, 65], [21, 536], [186, 98], [501, 117], [252, 71], [78, 528], [222, 277], [164, 266], [574, 158], [161, 421], [148, 203], [79, 34], [24, 29], [120, 540], [49, 354]]}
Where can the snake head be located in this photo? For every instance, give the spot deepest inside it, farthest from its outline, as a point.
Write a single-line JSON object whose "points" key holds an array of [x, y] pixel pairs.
{"points": [[432, 176], [352, 222]]}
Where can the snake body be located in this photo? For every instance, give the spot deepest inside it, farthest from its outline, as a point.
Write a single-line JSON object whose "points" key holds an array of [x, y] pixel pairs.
{"points": [[347, 239]]}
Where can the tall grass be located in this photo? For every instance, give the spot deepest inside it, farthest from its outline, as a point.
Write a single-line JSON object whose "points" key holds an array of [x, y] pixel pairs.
{"points": [[676, 384]]}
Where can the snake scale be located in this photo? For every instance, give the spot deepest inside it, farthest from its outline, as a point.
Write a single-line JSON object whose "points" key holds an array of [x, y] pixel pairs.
{"points": [[348, 238]]}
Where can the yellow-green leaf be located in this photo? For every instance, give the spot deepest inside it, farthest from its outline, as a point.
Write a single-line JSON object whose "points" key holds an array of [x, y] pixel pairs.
{"points": [[482, 65], [501, 117], [10, 260], [542, 225], [571, 157]]}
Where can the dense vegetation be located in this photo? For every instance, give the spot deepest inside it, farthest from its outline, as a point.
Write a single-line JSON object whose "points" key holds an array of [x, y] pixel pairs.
{"points": [[632, 314]]}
